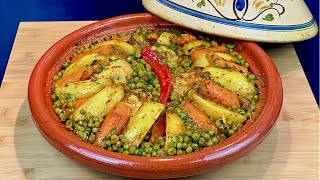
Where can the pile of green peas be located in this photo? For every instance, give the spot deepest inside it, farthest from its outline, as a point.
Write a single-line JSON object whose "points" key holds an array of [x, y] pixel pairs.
{"points": [[143, 78], [117, 143], [193, 140], [86, 127]]}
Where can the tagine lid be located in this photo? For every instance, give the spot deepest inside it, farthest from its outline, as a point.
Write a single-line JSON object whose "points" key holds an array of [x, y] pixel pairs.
{"points": [[274, 21]]}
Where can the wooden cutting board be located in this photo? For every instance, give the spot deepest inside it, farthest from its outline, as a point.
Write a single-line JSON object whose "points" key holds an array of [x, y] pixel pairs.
{"points": [[290, 151]]}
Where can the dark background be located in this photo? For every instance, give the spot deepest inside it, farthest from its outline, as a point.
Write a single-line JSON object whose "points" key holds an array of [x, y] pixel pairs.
{"points": [[14, 11]]}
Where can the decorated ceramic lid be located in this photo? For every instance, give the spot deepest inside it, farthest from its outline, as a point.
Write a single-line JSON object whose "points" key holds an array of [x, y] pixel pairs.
{"points": [[255, 20]]}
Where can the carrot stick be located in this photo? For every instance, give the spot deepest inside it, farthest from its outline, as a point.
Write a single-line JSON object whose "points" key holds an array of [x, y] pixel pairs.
{"points": [[185, 38], [197, 116], [74, 77], [195, 54], [103, 49], [158, 129], [216, 93], [117, 118], [79, 102], [226, 64]]}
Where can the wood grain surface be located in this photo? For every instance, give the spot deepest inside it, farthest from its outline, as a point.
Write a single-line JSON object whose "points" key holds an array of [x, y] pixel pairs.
{"points": [[291, 151]]}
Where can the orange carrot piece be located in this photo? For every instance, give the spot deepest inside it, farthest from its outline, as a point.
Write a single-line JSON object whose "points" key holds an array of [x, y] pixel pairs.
{"points": [[195, 54], [74, 77], [87, 73], [103, 49], [79, 102], [117, 118], [197, 116], [216, 93], [158, 129], [226, 64], [185, 38]]}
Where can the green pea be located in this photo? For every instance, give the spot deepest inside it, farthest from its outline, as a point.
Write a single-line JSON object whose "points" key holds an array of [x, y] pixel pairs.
{"points": [[206, 136], [201, 141], [211, 132], [70, 110], [129, 59], [134, 74], [139, 85], [62, 117], [68, 124], [125, 152], [215, 140], [136, 79], [150, 87], [180, 151], [147, 144], [65, 64], [251, 77], [82, 111], [179, 145], [114, 148], [91, 138], [195, 136], [97, 124], [230, 132], [184, 145], [154, 153], [56, 77], [157, 86], [76, 119], [118, 143], [114, 138], [82, 135], [90, 125], [133, 86], [209, 143], [189, 149], [148, 150], [138, 152], [132, 150], [230, 46], [85, 124], [156, 147], [126, 146], [70, 104], [172, 151], [57, 110], [54, 97], [141, 73], [195, 146], [160, 152], [94, 130]]}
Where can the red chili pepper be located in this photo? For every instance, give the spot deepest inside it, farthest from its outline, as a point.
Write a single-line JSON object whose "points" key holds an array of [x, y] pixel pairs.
{"points": [[161, 71]]}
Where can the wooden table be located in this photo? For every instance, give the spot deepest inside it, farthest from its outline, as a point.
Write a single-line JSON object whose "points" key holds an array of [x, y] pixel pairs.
{"points": [[290, 151]]}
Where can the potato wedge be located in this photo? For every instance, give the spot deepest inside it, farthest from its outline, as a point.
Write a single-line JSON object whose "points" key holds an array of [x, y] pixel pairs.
{"points": [[202, 61], [166, 38], [225, 56], [191, 46], [83, 63], [170, 56], [101, 103], [139, 125], [118, 72], [81, 89], [215, 111], [120, 44], [231, 80], [174, 127]]}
